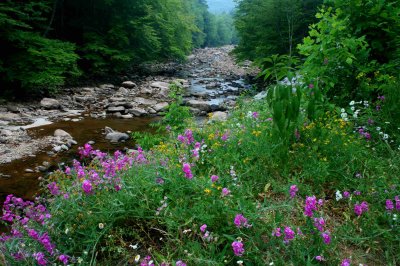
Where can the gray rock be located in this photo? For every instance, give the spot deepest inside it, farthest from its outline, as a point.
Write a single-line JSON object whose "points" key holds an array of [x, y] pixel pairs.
{"points": [[29, 170], [64, 147], [261, 95], [91, 142], [144, 101], [107, 86], [72, 142], [62, 134], [116, 109], [108, 130], [9, 116], [4, 123], [137, 111], [122, 91], [146, 91], [57, 148], [160, 106], [128, 84], [160, 85], [49, 103], [151, 111], [128, 116], [201, 105], [218, 116], [117, 136], [117, 99]]}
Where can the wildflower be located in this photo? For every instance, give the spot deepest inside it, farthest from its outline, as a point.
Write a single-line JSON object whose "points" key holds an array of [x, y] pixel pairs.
{"points": [[311, 86], [101, 226], [351, 103], [238, 248], [319, 223], [240, 221], [255, 115], [225, 192], [214, 178], [310, 206], [346, 194], [277, 232], [63, 258], [293, 190], [389, 205], [345, 262], [326, 237], [289, 234], [203, 228], [53, 188], [137, 258], [87, 186], [186, 169], [180, 263], [356, 192], [40, 258], [319, 258]]}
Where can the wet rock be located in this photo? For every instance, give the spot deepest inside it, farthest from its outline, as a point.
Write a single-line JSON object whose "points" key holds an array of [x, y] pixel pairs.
{"points": [[91, 142], [13, 109], [72, 142], [117, 136], [108, 130], [64, 147], [260, 95], [137, 111], [62, 134], [29, 170], [151, 111], [128, 84], [128, 116], [3, 123], [57, 149], [49, 103], [146, 91], [122, 91], [107, 86], [160, 106]]}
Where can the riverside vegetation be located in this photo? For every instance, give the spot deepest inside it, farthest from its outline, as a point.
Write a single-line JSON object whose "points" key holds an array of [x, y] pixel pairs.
{"points": [[309, 175]]}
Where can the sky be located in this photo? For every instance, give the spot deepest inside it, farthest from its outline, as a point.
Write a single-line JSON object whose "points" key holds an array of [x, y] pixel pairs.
{"points": [[218, 6]]}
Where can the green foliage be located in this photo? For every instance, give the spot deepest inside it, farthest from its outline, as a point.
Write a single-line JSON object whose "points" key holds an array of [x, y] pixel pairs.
{"points": [[271, 27]]}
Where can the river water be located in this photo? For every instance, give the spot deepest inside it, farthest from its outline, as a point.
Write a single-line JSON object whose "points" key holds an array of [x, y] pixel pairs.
{"points": [[26, 185]]}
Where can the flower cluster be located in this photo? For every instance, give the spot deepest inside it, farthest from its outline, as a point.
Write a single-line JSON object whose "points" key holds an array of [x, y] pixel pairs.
{"points": [[360, 208], [240, 221], [390, 206]]}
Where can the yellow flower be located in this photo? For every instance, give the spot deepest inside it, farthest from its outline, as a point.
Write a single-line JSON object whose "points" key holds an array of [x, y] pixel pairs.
{"points": [[256, 133], [207, 191]]}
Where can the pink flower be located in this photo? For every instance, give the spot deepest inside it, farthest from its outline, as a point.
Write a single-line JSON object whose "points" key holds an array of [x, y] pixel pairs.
{"points": [[389, 205], [186, 169], [346, 194], [87, 186], [311, 205], [345, 262], [319, 223], [240, 221], [319, 258], [289, 234], [180, 263], [326, 237], [225, 192], [63, 258], [293, 190], [214, 178], [203, 228], [277, 232], [238, 248]]}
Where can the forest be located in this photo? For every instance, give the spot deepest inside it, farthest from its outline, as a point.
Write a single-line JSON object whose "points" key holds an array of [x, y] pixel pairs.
{"points": [[280, 146], [46, 44]]}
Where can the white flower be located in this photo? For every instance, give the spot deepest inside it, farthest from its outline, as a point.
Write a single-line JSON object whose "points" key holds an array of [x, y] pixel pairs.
{"points": [[101, 226], [133, 246], [355, 115], [240, 262], [342, 110], [137, 258], [338, 195], [343, 115], [271, 263], [352, 108], [394, 217], [385, 136], [249, 114], [352, 103], [378, 129]]}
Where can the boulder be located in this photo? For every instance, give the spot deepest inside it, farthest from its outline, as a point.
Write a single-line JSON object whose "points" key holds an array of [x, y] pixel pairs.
{"points": [[9, 116], [108, 130], [49, 103], [128, 116], [128, 84], [137, 111], [159, 107], [160, 85], [144, 101], [62, 134], [117, 136], [201, 105], [122, 91], [218, 116]]}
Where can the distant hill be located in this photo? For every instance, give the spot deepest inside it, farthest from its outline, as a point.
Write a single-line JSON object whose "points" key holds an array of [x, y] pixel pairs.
{"points": [[219, 6]]}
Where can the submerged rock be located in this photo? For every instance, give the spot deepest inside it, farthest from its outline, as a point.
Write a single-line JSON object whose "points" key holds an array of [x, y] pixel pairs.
{"points": [[117, 136], [62, 134]]}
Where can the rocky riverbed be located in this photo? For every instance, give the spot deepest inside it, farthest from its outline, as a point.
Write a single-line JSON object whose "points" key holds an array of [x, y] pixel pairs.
{"points": [[210, 77]]}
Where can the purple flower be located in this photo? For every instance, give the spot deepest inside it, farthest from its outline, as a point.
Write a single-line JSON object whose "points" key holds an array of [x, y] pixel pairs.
{"points": [[180, 263], [240, 221], [186, 169], [225, 192], [238, 248], [64, 259], [326, 237], [310, 206], [319, 258], [53, 188], [289, 234], [357, 193], [357, 209], [277, 232], [39, 256], [345, 262], [364, 206], [87, 186], [255, 115], [214, 178], [293, 190], [203, 228], [346, 194], [311, 86], [389, 205], [319, 223]]}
